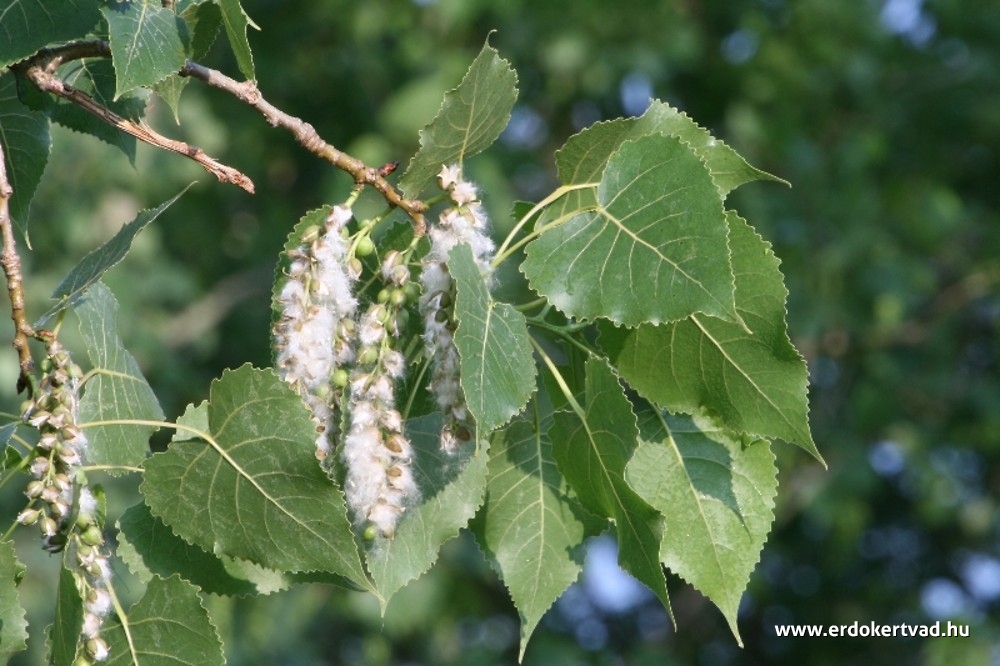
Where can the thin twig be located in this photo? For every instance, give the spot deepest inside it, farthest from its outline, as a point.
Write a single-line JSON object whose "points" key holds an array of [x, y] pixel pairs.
{"points": [[248, 93], [11, 262], [40, 70]]}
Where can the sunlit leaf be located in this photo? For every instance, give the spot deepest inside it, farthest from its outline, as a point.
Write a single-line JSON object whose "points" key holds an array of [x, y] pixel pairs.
{"points": [[471, 118], [531, 528], [256, 491], [654, 249], [592, 453], [169, 625], [716, 494], [13, 624], [753, 381], [117, 391], [451, 490], [148, 42], [498, 371]]}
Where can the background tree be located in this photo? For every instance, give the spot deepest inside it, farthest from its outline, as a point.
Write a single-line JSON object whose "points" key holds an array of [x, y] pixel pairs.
{"points": [[880, 116]]}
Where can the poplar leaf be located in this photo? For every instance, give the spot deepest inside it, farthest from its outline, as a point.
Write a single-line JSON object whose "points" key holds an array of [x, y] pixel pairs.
{"points": [[716, 494], [13, 623], [169, 625], [92, 267], [654, 248], [752, 380], [28, 25], [96, 78], [471, 118], [592, 450], [237, 21], [64, 632], [117, 391], [26, 141], [251, 488], [531, 527], [498, 370], [451, 489], [148, 42]]}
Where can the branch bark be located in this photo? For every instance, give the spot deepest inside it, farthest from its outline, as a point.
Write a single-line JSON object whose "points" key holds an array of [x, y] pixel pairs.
{"points": [[11, 262]]}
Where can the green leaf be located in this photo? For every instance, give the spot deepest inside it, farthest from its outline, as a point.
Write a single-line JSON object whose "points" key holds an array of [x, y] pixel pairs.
{"points": [[729, 170], [753, 382], [148, 42], [150, 548], [92, 267], [118, 390], [64, 633], [28, 25], [96, 78], [498, 370], [13, 624], [655, 249], [531, 528], [236, 22], [451, 488], [168, 626], [203, 21], [716, 494], [471, 118], [24, 135], [592, 450], [251, 487]]}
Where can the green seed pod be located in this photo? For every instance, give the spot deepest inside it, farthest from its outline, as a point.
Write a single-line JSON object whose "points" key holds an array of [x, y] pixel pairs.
{"points": [[310, 233], [92, 536], [370, 533], [367, 356], [355, 267], [340, 378], [397, 298], [365, 247], [383, 296], [412, 291], [82, 661]]}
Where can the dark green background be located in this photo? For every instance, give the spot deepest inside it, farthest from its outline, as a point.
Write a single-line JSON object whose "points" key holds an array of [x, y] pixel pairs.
{"points": [[886, 119]]}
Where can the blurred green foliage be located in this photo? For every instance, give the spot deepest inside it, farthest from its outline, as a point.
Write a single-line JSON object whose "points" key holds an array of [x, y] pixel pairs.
{"points": [[883, 115]]}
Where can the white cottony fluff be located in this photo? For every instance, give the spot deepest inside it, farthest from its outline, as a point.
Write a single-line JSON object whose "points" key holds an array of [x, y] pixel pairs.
{"points": [[466, 222], [314, 301]]}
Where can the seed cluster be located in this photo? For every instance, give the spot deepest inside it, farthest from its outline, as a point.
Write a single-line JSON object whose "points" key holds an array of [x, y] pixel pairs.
{"points": [[465, 222], [60, 502]]}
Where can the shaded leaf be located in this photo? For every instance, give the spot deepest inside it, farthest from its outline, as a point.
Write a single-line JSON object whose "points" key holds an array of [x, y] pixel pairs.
{"points": [[498, 370], [203, 21], [716, 494], [236, 22], [655, 249], [592, 452], [96, 78], [169, 626], [471, 118], [530, 527], [13, 623], [148, 42], [91, 268], [64, 633], [451, 489], [28, 25], [753, 382], [26, 143], [118, 390], [256, 492]]}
